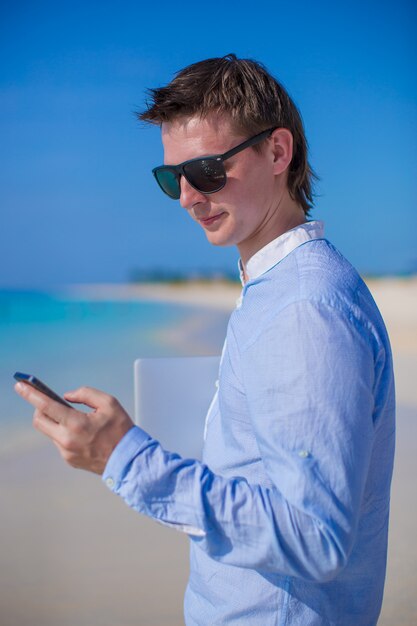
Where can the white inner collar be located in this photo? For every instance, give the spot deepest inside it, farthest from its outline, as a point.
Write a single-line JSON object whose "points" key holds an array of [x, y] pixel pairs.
{"points": [[278, 248]]}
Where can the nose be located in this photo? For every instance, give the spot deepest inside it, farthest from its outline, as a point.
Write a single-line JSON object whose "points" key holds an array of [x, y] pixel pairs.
{"points": [[189, 196]]}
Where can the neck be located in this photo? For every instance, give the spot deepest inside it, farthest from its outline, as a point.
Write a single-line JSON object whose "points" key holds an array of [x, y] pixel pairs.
{"points": [[285, 216]]}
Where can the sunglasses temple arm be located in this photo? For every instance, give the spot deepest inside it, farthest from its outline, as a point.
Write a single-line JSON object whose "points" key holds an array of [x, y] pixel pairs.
{"points": [[246, 144]]}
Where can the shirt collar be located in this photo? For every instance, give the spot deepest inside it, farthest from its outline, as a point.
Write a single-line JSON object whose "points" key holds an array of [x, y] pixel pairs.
{"points": [[278, 248]]}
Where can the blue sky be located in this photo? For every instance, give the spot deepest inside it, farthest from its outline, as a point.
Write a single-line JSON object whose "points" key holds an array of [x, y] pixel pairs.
{"points": [[77, 199]]}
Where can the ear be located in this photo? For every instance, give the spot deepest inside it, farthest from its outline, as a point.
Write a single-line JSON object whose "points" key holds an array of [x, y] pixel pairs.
{"points": [[282, 148]]}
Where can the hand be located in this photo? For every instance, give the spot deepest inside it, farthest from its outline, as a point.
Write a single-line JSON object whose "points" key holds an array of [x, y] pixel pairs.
{"points": [[84, 440]]}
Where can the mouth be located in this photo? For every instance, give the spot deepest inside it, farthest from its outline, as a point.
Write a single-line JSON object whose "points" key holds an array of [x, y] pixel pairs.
{"points": [[208, 221]]}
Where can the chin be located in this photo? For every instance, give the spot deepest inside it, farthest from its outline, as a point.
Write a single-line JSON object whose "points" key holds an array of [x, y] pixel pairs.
{"points": [[218, 241]]}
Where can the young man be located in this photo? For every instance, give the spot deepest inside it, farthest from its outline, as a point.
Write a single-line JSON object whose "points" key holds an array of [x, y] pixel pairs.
{"points": [[288, 513]]}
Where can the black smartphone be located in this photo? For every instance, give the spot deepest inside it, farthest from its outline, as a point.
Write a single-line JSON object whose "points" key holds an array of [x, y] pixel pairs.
{"points": [[40, 386]]}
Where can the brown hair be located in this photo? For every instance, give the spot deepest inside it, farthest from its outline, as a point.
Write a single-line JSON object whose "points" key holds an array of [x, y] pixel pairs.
{"points": [[255, 101]]}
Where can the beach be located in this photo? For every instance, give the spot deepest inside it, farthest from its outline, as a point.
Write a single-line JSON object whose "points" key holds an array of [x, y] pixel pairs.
{"points": [[73, 554]]}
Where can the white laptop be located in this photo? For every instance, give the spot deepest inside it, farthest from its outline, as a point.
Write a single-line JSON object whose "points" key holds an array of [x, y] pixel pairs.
{"points": [[172, 397]]}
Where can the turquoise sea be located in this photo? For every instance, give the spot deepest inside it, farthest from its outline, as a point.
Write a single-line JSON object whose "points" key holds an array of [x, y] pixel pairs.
{"points": [[69, 341]]}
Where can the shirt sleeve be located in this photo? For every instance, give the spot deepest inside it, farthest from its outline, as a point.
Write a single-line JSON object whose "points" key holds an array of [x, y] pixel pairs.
{"points": [[308, 379]]}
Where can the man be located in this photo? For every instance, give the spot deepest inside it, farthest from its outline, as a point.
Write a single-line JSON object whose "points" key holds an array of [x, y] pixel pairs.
{"points": [[288, 513]]}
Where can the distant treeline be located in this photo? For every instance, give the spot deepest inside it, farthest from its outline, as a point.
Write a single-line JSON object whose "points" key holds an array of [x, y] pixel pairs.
{"points": [[158, 275], [164, 275]]}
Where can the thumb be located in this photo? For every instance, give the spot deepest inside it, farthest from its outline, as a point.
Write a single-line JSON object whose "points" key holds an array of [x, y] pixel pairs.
{"points": [[87, 395]]}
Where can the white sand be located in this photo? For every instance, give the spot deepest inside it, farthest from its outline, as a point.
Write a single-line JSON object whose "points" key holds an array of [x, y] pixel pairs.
{"points": [[397, 300], [72, 554], [220, 295]]}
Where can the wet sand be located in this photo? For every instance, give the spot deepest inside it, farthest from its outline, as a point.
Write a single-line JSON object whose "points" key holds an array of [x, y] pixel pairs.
{"points": [[73, 554]]}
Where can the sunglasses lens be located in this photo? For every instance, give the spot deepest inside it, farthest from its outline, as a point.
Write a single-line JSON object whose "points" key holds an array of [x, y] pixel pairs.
{"points": [[206, 175], [168, 182]]}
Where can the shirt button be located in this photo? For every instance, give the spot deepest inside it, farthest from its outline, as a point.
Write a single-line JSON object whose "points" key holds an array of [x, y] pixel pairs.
{"points": [[110, 482], [304, 454]]}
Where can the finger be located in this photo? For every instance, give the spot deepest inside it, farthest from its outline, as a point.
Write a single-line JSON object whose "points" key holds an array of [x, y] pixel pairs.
{"points": [[69, 457], [46, 425], [55, 410], [37, 411], [94, 398]]}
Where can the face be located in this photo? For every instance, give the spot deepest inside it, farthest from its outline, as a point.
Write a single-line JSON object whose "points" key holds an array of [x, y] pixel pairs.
{"points": [[244, 212]]}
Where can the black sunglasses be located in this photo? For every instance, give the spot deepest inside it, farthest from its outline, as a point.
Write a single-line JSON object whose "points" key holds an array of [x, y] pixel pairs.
{"points": [[205, 174]]}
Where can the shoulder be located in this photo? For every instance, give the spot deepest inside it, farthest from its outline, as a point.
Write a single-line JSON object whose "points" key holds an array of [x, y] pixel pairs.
{"points": [[323, 275], [313, 277], [315, 271]]}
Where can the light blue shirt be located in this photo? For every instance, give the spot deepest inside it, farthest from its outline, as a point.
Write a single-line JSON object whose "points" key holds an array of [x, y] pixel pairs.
{"points": [[288, 512]]}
